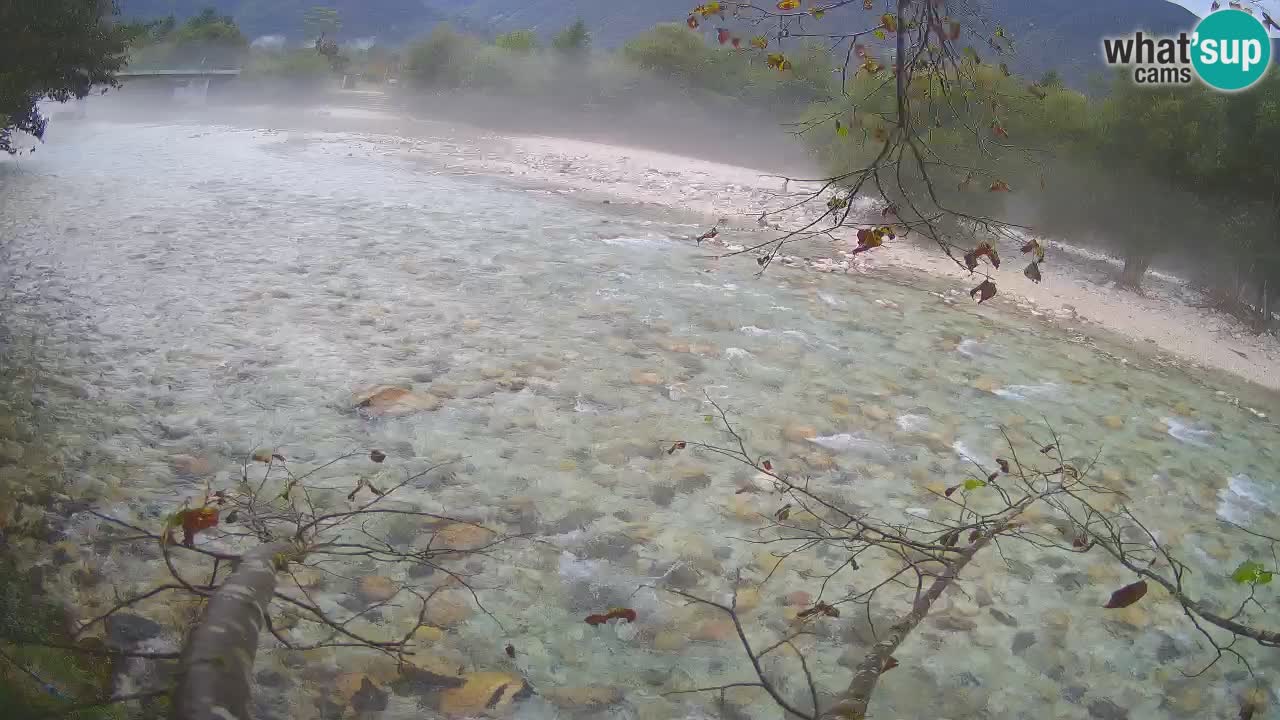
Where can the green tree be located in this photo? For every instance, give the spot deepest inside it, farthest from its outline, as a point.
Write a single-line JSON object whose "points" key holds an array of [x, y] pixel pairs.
{"points": [[56, 49], [573, 39], [320, 20], [437, 60], [519, 41], [210, 28]]}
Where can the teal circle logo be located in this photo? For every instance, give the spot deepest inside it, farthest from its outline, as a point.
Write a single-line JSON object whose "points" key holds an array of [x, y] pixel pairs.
{"points": [[1230, 50]]}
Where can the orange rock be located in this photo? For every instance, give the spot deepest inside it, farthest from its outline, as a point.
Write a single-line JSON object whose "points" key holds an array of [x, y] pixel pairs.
{"points": [[464, 536], [389, 401]]}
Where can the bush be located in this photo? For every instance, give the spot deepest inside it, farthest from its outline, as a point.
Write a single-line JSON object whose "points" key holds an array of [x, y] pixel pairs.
{"points": [[304, 65], [518, 41]]}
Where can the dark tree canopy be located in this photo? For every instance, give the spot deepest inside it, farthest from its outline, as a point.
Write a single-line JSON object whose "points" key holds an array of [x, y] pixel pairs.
{"points": [[56, 49]]}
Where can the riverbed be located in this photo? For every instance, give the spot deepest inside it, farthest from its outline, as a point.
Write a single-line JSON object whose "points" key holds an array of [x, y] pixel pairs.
{"points": [[189, 291]]}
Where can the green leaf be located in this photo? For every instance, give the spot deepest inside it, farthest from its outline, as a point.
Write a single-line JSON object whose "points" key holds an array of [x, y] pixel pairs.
{"points": [[708, 419], [841, 130], [879, 34], [1251, 573], [974, 484]]}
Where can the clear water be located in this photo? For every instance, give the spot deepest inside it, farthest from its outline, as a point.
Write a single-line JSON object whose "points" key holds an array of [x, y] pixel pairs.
{"points": [[202, 290]]}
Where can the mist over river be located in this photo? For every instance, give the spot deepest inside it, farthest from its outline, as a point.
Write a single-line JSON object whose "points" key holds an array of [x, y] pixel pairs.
{"points": [[178, 294]]}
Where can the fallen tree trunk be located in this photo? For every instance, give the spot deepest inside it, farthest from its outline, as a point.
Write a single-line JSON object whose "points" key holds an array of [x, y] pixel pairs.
{"points": [[217, 662]]}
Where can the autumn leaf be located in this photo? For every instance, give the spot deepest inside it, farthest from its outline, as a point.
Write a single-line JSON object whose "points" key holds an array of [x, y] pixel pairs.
{"points": [[1004, 464], [889, 21], [951, 490], [377, 456], [860, 50], [985, 291], [817, 13], [262, 456], [984, 248], [1032, 271], [999, 186], [785, 5], [841, 130], [971, 260], [880, 34], [868, 4], [1127, 595], [768, 466], [760, 42], [722, 34], [511, 650], [692, 22], [998, 130], [821, 608], [195, 520], [778, 61], [783, 513], [709, 9], [1000, 31], [890, 664], [676, 446]]}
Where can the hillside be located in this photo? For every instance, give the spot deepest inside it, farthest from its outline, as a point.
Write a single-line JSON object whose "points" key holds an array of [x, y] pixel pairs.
{"points": [[1060, 34]]}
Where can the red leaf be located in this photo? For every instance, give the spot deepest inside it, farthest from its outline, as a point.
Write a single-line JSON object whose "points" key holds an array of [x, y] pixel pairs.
{"points": [[737, 43], [992, 477], [1004, 464], [692, 22], [193, 521], [622, 614], [970, 260], [722, 34], [985, 291], [999, 186], [890, 664], [951, 489], [596, 619], [998, 130], [768, 466], [677, 446], [1127, 595]]}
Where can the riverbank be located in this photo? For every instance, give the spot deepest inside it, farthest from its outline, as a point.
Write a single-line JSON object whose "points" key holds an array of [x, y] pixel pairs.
{"points": [[1169, 315]]}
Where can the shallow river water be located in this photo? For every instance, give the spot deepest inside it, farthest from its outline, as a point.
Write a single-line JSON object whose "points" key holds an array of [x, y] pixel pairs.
{"points": [[186, 293]]}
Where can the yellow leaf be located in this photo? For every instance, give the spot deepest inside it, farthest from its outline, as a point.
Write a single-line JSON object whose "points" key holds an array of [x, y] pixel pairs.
{"points": [[788, 4], [868, 4], [890, 22], [818, 12], [760, 41], [778, 61]]}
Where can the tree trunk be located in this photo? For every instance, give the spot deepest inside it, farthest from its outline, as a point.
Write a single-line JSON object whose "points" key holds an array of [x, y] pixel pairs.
{"points": [[217, 663], [1136, 262]]}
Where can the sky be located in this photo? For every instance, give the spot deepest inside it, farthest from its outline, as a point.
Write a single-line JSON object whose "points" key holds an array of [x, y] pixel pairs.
{"points": [[1200, 7]]}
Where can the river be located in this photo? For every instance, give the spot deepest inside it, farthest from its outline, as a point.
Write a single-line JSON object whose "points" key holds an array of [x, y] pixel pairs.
{"points": [[183, 293]]}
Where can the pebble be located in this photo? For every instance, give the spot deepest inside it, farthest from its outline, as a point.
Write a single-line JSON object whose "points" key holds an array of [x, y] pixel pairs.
{"points": [[191, 465], [582, 697], [448, 611], [1115, 422], [1021, 641], [640, 377], [1105, 709], [376, 588], [875, 412], [484, 693], [799, 433], [670, 641], [715, 630], [463, 536]]}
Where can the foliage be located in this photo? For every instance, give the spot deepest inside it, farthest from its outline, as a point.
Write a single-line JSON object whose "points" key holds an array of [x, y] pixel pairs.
{"points": [[439, 59], [56, 49], [210, 28], [519, 41], [574, 39]]}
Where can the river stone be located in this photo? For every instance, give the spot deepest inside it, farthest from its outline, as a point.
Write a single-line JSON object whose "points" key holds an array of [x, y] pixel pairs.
{"points": [[463, 536], [125, 629], [1003, 618], [448, 610], [1115, 422], [662, 495], [799, 433], [391, 401], [715, 630], [583, 697], [1105, 709], [1021, 641], [670, 641], [191, 465], [484, 693], [376, 588], [641, 377]]}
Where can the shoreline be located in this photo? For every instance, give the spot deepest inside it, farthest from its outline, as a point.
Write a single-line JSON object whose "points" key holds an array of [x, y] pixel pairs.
{"points": [[1168, 316]]}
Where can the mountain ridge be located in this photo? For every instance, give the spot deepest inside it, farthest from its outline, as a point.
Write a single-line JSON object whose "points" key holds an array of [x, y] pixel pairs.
{"points": [[1050, 35]]}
